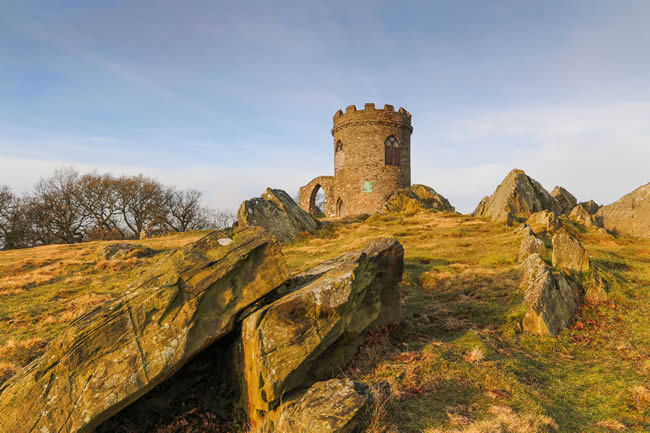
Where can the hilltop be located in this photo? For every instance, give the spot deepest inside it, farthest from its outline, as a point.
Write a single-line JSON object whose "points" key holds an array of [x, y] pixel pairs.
{"points": [[457, 362]]}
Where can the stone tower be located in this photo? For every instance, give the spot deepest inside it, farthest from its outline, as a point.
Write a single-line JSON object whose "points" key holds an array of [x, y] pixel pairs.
{"points": [[372, 159]]}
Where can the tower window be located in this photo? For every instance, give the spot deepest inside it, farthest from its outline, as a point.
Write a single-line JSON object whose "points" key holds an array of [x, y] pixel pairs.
{"points": [[339, 155], [391, 151]]}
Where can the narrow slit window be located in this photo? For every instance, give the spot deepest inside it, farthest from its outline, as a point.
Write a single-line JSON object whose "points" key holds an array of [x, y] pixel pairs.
{"points": [[339, 155]]}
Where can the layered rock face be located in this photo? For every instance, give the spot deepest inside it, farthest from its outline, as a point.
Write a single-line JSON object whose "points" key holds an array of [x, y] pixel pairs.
{"points": [[629, 215], [517, 197], [416, 198], [315, 330], [565, 199], [276, 212], [581, 215], [543, 222], [110, 357], [333, 406], [569, 254], [552, 298], [530, 243]]}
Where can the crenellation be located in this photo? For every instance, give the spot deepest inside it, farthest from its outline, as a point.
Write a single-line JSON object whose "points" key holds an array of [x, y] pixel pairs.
{"points": [[366, 169]]}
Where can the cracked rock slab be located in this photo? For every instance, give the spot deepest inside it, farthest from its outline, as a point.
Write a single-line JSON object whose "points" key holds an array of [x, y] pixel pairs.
{"points": [[108, 358]]}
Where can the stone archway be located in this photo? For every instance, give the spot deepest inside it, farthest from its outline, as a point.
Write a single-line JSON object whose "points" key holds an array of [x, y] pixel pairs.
{"points": [[308, 196], [340, 208], [317, 201]]}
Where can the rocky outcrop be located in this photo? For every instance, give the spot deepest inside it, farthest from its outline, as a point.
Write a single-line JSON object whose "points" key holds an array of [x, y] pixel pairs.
{"points": [[598, 289], [276, 212], [590, 206], [316, 329], [334, 406], [629, 215], [552, 298], [543, 222], [108, 358], [530, 243], [122, 250], [416, 198], [565, 199], [580, 215], [517, 198], [568, 254]]}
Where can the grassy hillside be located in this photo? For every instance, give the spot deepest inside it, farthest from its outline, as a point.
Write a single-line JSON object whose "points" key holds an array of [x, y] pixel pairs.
{"points": [[458, 362]]}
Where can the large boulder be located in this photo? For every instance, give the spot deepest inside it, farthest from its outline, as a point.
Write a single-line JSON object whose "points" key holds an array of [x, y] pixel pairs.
{"points": [[629, 215], [108, 358], [569, 254], [565, 199], [312, 332], [276, 211], [517, 197], [416, 198], [530, 243], [543, 222], [333, 406], [552, 298], [590, 206], [582, 216]]}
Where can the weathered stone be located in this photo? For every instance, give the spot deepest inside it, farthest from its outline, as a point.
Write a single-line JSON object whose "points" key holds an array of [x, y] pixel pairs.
{"points": [[518, 196], [121, 250], [580, 215], [334, 406], [597, 289], [276, 211], [568, 254], [629, 215], [565, 199], [416, 198], [543, 222], [315, 330], [552, 298], [108, 358], [372, 160], [590, 206], [530, 243]]}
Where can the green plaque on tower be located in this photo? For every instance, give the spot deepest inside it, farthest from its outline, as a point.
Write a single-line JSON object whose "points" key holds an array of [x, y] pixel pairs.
{"points": [[366, 186]]}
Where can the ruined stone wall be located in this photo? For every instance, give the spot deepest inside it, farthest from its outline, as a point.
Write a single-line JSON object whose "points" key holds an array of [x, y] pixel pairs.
{"points": [[362, 180], [365, 181]]}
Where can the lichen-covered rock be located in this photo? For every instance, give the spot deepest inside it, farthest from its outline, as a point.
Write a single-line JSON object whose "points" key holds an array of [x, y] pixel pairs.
{"points": [[598, 289], [543, 222], [416, 198], [517, 197], [333, 406], [590, 206], [629, 215], [316, 329], [565, 199], [121, 250], [108, 358], [569, 254], [276, 212], [530, 243], [552, 298], [580, 215]]}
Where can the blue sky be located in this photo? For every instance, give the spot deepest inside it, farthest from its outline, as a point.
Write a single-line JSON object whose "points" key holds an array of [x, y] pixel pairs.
{"points": [[231, 97]]}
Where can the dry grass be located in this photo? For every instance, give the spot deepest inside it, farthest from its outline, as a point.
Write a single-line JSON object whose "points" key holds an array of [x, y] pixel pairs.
{"points": [[501, 420]]}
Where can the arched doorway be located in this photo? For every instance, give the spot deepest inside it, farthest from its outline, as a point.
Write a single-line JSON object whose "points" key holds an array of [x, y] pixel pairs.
{"points": [[317, 201], [340, 208]]}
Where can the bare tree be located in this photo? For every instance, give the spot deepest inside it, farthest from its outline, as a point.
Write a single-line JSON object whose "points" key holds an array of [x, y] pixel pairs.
{"points": [[98, 194], [56, 212], [141, 203], [184, 211]]}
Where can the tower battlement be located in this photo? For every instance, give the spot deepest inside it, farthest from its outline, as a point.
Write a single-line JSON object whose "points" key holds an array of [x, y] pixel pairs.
{"points": [[370, 114]]}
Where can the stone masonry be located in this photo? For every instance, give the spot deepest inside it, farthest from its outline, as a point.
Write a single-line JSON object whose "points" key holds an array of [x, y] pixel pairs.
{"points": [[372, 159]]}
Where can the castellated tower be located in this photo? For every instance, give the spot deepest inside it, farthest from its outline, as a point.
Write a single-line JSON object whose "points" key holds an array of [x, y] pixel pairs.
{"points": [[372, 159]]}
